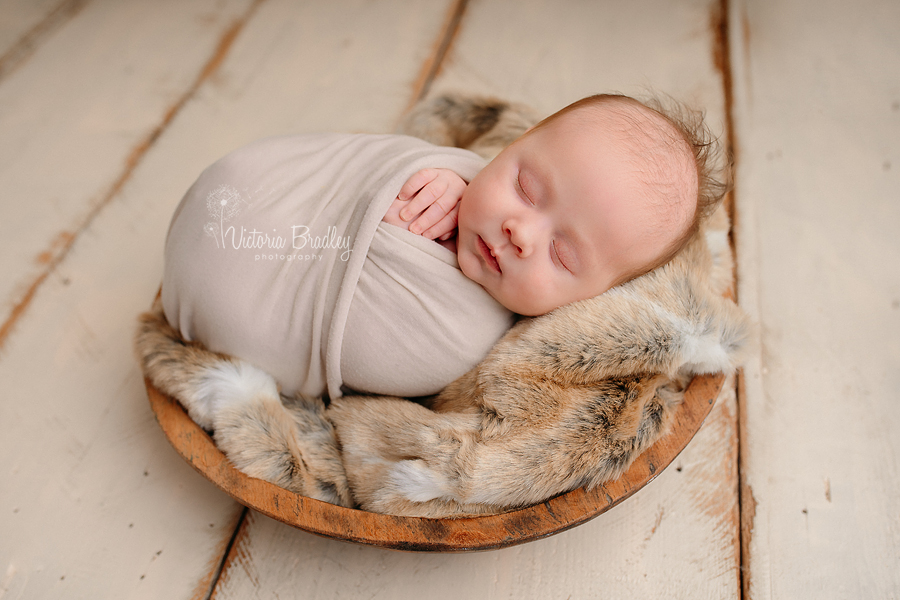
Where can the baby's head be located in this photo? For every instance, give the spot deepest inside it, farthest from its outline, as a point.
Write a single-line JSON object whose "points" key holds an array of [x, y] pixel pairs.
{"points": [[601, 192]]}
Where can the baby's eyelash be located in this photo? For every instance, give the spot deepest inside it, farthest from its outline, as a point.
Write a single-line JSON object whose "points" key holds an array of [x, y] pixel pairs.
{"points": [[522, 189], [558, 255]]}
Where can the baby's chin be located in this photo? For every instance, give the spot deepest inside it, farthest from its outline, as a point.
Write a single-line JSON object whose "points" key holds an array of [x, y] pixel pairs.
{"points": [[523, 306], [510, 304], [517, 303], [535, 307]]}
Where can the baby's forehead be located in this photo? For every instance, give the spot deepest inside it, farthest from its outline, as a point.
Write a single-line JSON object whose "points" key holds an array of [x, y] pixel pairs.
{"points": [[629, 123], [647, 145], [653, 144]]}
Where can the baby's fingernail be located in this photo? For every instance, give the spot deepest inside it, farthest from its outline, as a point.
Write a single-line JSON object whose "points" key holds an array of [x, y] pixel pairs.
{"points": [[414, 228]]}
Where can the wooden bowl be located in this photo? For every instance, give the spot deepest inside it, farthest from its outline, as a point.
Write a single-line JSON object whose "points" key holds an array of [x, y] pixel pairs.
{"points": [[435, 535]]}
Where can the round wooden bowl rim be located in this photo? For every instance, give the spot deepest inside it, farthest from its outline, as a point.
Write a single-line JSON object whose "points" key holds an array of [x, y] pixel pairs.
{"points": [[422, 534]]}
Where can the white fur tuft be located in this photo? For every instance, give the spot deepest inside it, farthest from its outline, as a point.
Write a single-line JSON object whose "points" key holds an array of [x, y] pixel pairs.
{"points": [[416, 482], [229, 383], [702, 345], [705, 353], [717, 242]]}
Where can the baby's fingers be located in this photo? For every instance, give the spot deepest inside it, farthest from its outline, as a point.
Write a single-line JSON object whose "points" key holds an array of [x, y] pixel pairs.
{"points": [[444, 223], [415, 183], [432, 195]]}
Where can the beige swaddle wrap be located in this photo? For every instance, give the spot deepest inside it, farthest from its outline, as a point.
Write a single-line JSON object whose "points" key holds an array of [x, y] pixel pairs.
{"points": [[278, 255]]}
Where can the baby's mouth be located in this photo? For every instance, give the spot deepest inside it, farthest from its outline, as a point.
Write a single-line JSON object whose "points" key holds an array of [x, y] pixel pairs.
{"points": [[488, 255]]}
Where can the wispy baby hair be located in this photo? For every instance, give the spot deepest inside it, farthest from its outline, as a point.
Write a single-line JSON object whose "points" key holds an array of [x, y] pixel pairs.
{"points": [[714, 174]]}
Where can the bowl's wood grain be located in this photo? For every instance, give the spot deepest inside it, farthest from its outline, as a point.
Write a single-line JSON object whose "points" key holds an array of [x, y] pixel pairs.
{"points": [[420, 534]]}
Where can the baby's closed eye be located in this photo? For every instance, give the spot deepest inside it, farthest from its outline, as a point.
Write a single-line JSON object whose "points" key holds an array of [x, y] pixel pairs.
{"points": [[563, 254], [520, 188]]}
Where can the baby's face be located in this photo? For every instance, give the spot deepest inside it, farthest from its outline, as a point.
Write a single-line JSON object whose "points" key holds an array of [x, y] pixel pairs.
{"points": [[560, 215]]}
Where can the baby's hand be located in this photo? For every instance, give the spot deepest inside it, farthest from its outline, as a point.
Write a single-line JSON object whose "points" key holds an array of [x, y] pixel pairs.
{"points": [[428, 203]]}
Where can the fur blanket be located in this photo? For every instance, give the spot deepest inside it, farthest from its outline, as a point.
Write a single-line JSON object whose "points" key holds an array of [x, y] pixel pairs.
{"points": [[564, 400]]}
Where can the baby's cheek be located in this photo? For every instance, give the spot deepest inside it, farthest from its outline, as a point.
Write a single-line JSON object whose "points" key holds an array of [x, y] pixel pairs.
{"points": [[471, 267], [534, 295]]}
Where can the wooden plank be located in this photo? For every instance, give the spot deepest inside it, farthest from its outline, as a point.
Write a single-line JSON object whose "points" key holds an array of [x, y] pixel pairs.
{"points": [[568, 51], [76, 117], [676, 538], [24, 22], [94, 503], [817, 108]]}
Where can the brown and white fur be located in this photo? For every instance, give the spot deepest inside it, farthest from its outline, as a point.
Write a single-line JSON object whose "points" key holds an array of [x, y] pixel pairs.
{"points": [[566, 399]]}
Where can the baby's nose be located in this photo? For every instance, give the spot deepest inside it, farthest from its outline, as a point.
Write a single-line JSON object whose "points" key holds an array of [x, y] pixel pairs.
{"points": [[521, 237]]}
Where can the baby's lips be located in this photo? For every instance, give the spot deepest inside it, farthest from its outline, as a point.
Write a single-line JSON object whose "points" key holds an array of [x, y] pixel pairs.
{"points": [[488, 256]]}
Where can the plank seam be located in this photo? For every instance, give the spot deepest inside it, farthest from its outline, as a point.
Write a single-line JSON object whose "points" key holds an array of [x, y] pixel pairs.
{"points": [[720, 23], [220, 567], [28, 44], [60, 247], [746, 499], [433, 64]]}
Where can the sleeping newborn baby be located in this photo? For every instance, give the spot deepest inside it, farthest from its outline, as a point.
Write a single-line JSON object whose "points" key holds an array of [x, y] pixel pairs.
{"points": [[384, 264]]}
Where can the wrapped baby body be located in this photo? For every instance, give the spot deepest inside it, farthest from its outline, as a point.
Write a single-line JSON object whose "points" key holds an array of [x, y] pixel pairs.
{"points": [[278, 255]]}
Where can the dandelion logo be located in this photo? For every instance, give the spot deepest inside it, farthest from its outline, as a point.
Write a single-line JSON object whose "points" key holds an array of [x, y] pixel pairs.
{"points": [[223, 203]]}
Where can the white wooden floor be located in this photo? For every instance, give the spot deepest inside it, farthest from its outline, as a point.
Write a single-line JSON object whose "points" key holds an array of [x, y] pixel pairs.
{"points": [[110, 108]]}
